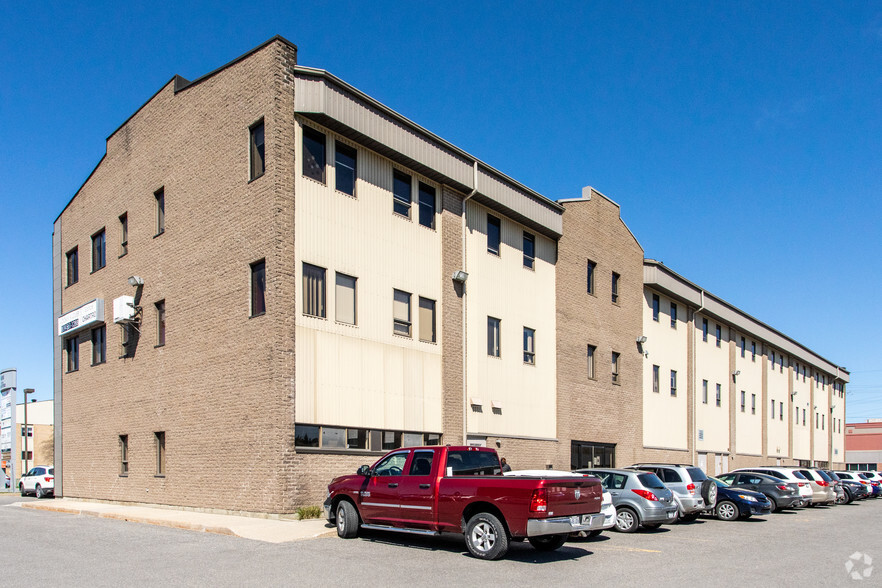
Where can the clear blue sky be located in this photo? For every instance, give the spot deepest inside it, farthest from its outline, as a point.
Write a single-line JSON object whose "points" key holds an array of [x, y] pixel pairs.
{"points": [[742, 140]]}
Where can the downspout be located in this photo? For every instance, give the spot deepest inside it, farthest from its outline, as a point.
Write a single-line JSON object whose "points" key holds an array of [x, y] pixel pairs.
{"points": [[465, 343], [694, 382]]}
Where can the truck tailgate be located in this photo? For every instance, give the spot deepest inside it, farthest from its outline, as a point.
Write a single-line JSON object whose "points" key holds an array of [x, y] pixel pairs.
{"points": [[571, 496]]}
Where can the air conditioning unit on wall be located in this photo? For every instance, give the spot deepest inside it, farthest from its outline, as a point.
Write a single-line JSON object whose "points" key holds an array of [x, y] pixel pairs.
{"points": [[124, 309]]}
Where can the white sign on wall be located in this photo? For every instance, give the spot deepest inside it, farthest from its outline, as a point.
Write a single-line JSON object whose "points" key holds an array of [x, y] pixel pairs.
{"points": [[80, 318]]}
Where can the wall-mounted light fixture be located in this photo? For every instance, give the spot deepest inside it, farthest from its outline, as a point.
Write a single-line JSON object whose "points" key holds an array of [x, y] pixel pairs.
{"points": [[641, 339], [136, 281], [460, 276], [736, 373]]}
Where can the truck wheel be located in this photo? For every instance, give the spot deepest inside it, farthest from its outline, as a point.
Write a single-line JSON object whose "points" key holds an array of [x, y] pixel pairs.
{"points": [[548, 542], [486, 536], [347, 520], [709, 493]]}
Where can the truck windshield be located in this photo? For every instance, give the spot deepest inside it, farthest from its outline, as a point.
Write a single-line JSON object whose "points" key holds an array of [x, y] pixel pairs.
{"points": [[472, 463]]}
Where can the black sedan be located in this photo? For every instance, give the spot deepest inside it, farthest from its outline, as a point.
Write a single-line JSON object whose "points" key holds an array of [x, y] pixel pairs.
{"points": [[781, 494], [734, 503]]}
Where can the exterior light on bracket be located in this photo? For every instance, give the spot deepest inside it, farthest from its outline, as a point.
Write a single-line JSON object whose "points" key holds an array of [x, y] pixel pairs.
{"points": [[458, 276], [136, 281]]}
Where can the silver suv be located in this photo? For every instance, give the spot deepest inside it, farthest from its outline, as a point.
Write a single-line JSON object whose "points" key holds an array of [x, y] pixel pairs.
{"points": [[692, 489], [640, 498]]}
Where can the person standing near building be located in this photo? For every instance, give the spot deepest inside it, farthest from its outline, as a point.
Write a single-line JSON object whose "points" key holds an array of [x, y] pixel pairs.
{"points": [[505, 466]]}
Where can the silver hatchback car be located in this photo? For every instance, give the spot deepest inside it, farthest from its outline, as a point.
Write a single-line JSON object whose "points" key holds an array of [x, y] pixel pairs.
{"points": [[640, 498], [693, 491]]}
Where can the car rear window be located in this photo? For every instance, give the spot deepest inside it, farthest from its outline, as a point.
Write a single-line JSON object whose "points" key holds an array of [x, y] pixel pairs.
{"points": [[834, 476], [824, 475], [799, 476], [671, 476], [650, 481], [696, 474], [472, 463], [51, 471]]}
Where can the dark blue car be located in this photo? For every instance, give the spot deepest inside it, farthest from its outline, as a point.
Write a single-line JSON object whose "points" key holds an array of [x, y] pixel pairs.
{"points": [[734, 502]]}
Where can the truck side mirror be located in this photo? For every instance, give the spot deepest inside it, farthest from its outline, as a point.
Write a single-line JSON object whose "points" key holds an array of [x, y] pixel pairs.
{"points": [[364, 471]]}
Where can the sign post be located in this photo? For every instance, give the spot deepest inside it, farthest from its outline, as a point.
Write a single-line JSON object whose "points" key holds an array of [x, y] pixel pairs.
{"points": [[8, 385]]}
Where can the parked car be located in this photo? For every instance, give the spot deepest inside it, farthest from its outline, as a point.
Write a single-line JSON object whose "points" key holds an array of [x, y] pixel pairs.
{"points": [[866, 485], [781, 493], [838, 486], [853, 488], [640, 498], [692, 490], [435, 489], [822, 490], [734, 502], [875, 486], [789, 475], [39, 481]]}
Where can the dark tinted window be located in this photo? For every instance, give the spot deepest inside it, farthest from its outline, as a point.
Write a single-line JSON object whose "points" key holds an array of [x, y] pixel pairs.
{"points": [[51, 471], [650, 481], [728, 478], [494, 233], [824, 475], [697, 474], [472, 463], [833, 476], [401, 194], [422, 463], [670, 476], [313, 154], [799, 476], [427, 205], [306, 436], [617, 481], [345, 168]]}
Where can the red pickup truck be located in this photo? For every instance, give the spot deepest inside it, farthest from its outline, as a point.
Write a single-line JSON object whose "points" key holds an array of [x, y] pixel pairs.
{"points": [[430, 490]]}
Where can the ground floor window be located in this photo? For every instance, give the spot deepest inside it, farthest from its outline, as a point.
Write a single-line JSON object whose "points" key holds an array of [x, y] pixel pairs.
{"points": [[327, 437], [592, 455]]}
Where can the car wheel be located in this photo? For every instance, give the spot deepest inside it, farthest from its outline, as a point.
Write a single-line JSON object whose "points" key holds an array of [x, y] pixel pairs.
{"points": [[688, 518], [774, 503], [21, 489], [486, 536], [709, 493], [727, 511], [39, 492], [347, 520], [548, 542], [842, 498], [626, 520]]}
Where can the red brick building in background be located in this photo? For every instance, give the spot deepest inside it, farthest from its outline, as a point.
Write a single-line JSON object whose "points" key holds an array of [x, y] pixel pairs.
{"points": [[863, 445]]}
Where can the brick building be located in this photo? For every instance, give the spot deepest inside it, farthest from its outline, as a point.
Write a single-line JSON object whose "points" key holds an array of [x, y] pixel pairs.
{"points": [[863, 445]]}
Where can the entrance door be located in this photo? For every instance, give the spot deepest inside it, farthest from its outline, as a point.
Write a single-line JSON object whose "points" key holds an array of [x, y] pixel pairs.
{"points": [[702, 462]]}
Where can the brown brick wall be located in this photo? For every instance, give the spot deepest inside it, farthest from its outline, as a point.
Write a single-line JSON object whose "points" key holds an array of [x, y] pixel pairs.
{"points": [[452, 370]]}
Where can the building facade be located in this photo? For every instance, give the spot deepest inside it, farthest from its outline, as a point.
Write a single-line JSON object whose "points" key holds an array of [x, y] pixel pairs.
{"points": [[863, 445]]}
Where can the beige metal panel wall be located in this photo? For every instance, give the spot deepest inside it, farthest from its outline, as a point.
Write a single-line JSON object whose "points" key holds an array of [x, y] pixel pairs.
{"points": [[712, 364], [822, 421], [501, 287], [749, 424], [802, 422], [519, 201], [665, 423], [838, 416], [778, 389], [364, 375]]}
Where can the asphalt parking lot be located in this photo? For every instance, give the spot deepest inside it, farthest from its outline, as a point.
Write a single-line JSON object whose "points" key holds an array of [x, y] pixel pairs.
{"points": [[807, 547]]}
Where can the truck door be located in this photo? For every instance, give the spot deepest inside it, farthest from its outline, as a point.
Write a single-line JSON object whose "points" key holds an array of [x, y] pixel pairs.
{"points": [[416, 491], [379, 497]]}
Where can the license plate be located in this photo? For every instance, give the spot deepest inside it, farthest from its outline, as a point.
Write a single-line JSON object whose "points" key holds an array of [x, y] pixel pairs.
{"points": [[671, 515]]}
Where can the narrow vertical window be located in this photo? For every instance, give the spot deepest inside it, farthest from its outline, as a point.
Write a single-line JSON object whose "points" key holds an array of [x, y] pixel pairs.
{"points": [[719, 398], [719, 334], [529, 250], [656, 370], [257, 149], [314, 154], [73, 267], [753, 404], [743, 346], [345, 158], [401, 323], [797, 415], [591, 267], [99, 345], [591, 373], [345, 300], [673, 315], [123, 455], [427, 320], [803, 417], [258, 288], [704, 330], [704, 391], [753, 351], [772, 414], [529, 346], [401, 193], [615, 287], [494, 234], [159, 440], [656, 304], [780, 411], [615, 367], [314, 291], [772, 357], [99, 251], [673, 382], [160, 323], [159, 206], [123, 234], [427, 205], [743, 400], [494, 328], [72, 345]]}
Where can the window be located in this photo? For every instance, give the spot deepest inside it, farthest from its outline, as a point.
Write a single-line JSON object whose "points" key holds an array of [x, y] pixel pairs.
{"points": [[314, 291], [529, 346], [494, 234], [655, 307], [704, 391], [591, 267], [160, 323], [257, 149], [159, 201], [615, 287], [780, 364], [743, 400], [72, 345], [401, 193], [673, 382], [673, 315], [73, 267], [427, 320], [401, 323], [719, 334], [529, 250], [753, 351], [27, 455], [655, 378], [427, 205], [803, 417], [780, 411], [772, 414], [99, 247], [591, 373], [494, 332], [123, 455], [817, 420], [258, 288], [704, 330], [344, 168], [719, 395], [421, 464], [743, 346], [797, 415], [345, 307], [822, 422], [596, 455], [159, 440], [615, 367], [314, 154], [123, 234], [772, 357], [753, 404], [99, 345], [29, 433]]}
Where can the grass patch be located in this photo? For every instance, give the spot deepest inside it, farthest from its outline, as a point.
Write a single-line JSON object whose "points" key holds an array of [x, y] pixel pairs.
{"points": [[309, 512]]}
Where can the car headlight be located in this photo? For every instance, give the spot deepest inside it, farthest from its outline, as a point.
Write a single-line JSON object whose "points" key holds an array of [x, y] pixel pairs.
{"points": [[747, 498]]}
